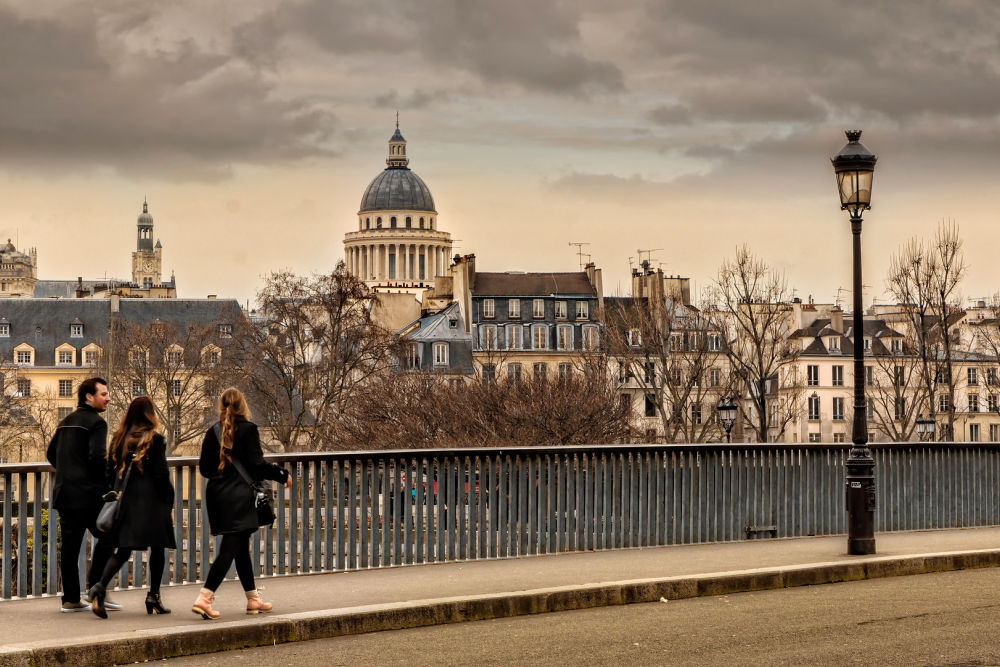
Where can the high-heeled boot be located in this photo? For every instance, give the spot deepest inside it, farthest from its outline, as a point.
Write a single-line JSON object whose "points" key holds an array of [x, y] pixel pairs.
{"points": [[155, 604], [96, 595], [203, 605], [256, 605]]}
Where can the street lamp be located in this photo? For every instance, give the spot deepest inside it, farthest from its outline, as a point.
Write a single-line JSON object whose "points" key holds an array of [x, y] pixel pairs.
{"points": [[854, 167], [925, 428], [727, 416]]}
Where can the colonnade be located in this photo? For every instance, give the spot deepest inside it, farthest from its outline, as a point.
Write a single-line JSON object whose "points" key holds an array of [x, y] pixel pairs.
{"points": [[398, 261]]}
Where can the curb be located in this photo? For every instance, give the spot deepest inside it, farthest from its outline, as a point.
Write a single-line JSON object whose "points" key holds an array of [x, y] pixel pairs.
{"points": [[123, 648]]}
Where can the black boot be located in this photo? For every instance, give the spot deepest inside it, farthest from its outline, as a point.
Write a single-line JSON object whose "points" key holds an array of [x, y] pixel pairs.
{"points": [[154, 603], [96, 595]]}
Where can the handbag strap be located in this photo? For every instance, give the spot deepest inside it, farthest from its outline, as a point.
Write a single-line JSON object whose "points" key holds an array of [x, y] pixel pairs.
{"points": [[128, 473], [217, 429]]}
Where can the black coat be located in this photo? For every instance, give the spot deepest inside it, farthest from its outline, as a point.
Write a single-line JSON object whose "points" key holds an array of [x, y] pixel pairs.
{"points": [[144, 518], [230, 500], [78, 452]]}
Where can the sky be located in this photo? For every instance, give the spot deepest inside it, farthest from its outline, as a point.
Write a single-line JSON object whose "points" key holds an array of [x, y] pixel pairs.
{"points": [[687, 128]]}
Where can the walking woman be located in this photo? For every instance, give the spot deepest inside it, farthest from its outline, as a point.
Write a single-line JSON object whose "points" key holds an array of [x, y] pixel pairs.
{"points": [[232, 512], [137, 468]]}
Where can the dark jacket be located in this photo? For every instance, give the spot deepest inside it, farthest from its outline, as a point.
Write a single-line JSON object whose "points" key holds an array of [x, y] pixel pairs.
{"points": [[230, 500], [78, 451], [144, 519]]}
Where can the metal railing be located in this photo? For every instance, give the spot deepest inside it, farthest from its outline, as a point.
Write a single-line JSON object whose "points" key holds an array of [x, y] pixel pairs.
{"points": [[356, 510]]}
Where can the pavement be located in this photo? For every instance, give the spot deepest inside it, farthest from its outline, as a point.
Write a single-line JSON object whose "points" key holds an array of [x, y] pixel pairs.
{"points": [[315, 606]]}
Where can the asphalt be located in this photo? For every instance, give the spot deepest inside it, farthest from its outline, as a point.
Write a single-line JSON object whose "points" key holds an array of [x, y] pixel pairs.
{"points": [[34, 632]]}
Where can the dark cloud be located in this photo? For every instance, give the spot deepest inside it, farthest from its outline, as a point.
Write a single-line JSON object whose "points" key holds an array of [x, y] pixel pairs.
{"points": [[80, 95]]}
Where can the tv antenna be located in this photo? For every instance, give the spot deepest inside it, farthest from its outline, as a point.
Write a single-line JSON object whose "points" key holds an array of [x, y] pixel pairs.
{"points": [[649, 257], [840, 290], [579, 251]]}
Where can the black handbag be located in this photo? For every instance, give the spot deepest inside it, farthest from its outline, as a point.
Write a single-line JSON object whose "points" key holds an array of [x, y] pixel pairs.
{"points": [[262, 493], [107, 519]]}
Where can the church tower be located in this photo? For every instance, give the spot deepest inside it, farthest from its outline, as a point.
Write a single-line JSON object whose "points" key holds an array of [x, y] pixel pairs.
{"points": [[147, 263]]}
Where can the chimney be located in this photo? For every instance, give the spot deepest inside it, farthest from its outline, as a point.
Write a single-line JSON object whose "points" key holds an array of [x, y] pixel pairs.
{"points": [[837, 319]]}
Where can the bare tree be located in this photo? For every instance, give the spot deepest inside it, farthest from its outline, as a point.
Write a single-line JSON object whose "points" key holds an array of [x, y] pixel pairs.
{"points": [[675, 356], [897, 392], [750, 305], [18, 429], [924, 277], [310, 354]]}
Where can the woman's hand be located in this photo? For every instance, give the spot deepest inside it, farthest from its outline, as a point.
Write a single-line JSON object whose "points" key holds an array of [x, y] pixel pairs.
{"points": [[288, 482]]}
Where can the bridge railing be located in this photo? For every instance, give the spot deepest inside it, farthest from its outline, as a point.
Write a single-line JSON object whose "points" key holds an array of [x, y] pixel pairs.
{"points": [[357, 510]]}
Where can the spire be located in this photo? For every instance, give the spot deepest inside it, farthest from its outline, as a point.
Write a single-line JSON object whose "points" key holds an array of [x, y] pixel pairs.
{"points": [[145, 206], [397, 149]]}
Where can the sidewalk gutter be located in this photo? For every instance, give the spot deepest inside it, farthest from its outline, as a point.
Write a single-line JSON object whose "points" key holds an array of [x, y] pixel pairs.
{"points": [[127, 647]]}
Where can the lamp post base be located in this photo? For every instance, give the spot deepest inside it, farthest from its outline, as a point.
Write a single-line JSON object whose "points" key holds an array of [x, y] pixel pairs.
{"points": [[860, 546]]}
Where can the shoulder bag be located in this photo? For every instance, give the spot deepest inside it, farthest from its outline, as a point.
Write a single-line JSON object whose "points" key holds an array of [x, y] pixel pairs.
{"points": [[262, 492], [107, 519]]}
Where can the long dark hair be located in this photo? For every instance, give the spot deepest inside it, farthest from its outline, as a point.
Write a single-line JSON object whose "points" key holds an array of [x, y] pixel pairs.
{"points": [[231, 403], [134, 433]]}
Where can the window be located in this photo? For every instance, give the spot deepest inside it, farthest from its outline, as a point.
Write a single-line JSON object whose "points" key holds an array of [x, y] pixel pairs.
{"points": [[633, 337], [991, 403], [440, 354], [624, 371], [991, 376], [514, 373], [943, 403], [421, 223], [897, 346], [65, 357], [514, 309], [392, 222], [714, 342], [870, 413], [538, 308], [814, 407], [90, 357], [812, 373], [900, 377], [489, 373], [650, 407], [565, 371], [226, 330], [65, 388], [591, 338], [838, 376], [62, 413], [675, 342], [212, 357], [973, 402], [833, 344], [24, 356], [539, 338], [409, 222], [973, 432], [973, 376], [941, 376], [649, 371], [488, 309], [868, 344], [714, 377], [838, 408], [488, 337], [869, 376], [994, 432], [900, 408], [625, 402], [540, 371], [560, 310], [174, 419], [174, 358], [839, 437], [137, 389], [514, 337], [696, 413], [564, 337], [76, 330], [582, 310], [814, 437], [24, 386], [174, 388], [4, 330]]}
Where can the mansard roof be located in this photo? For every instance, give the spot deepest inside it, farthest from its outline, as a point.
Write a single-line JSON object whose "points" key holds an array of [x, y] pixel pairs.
{"points": [[533, 284]]}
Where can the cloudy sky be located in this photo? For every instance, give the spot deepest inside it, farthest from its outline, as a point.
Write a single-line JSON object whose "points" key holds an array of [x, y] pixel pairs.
{"points": [[689, 127]]}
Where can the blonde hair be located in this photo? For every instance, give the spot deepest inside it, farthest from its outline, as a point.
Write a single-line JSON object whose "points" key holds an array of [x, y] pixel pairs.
{"points": [[231, 403], [134, 433]]}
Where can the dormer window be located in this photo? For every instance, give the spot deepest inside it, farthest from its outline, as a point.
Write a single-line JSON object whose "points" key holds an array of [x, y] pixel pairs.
{"points": [[833, 344], [4, 330], [76, 330], [488, 309], [897, 346], [24, 357], [560, 310], [868, 344], [453, 323], [226, 330]]}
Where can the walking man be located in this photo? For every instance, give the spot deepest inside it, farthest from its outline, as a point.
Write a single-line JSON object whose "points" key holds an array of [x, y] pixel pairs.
{"points": [[78, 451]]}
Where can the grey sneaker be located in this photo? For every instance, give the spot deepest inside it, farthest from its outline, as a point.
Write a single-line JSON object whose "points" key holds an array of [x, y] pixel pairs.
{"points": [[109, 604], [70, 607]]}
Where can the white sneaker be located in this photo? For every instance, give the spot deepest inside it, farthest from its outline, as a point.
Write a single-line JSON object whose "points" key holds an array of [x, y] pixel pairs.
{"points": [[108, 603]]}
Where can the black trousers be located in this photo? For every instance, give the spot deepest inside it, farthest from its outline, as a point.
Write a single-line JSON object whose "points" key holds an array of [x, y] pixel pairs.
{"points": [[73, 523], [232, 547]]}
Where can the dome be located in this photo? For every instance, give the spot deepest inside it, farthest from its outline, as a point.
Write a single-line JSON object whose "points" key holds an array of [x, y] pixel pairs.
{"points": [[397, 189], [145, 218]]}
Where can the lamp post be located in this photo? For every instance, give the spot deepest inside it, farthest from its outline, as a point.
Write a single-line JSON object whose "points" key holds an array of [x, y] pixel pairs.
{"points": [[925, 428], [727, 416], [854, 167]]}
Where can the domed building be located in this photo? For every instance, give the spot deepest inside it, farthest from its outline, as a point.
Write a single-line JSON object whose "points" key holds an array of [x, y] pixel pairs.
{"points": [[398, 245]]}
